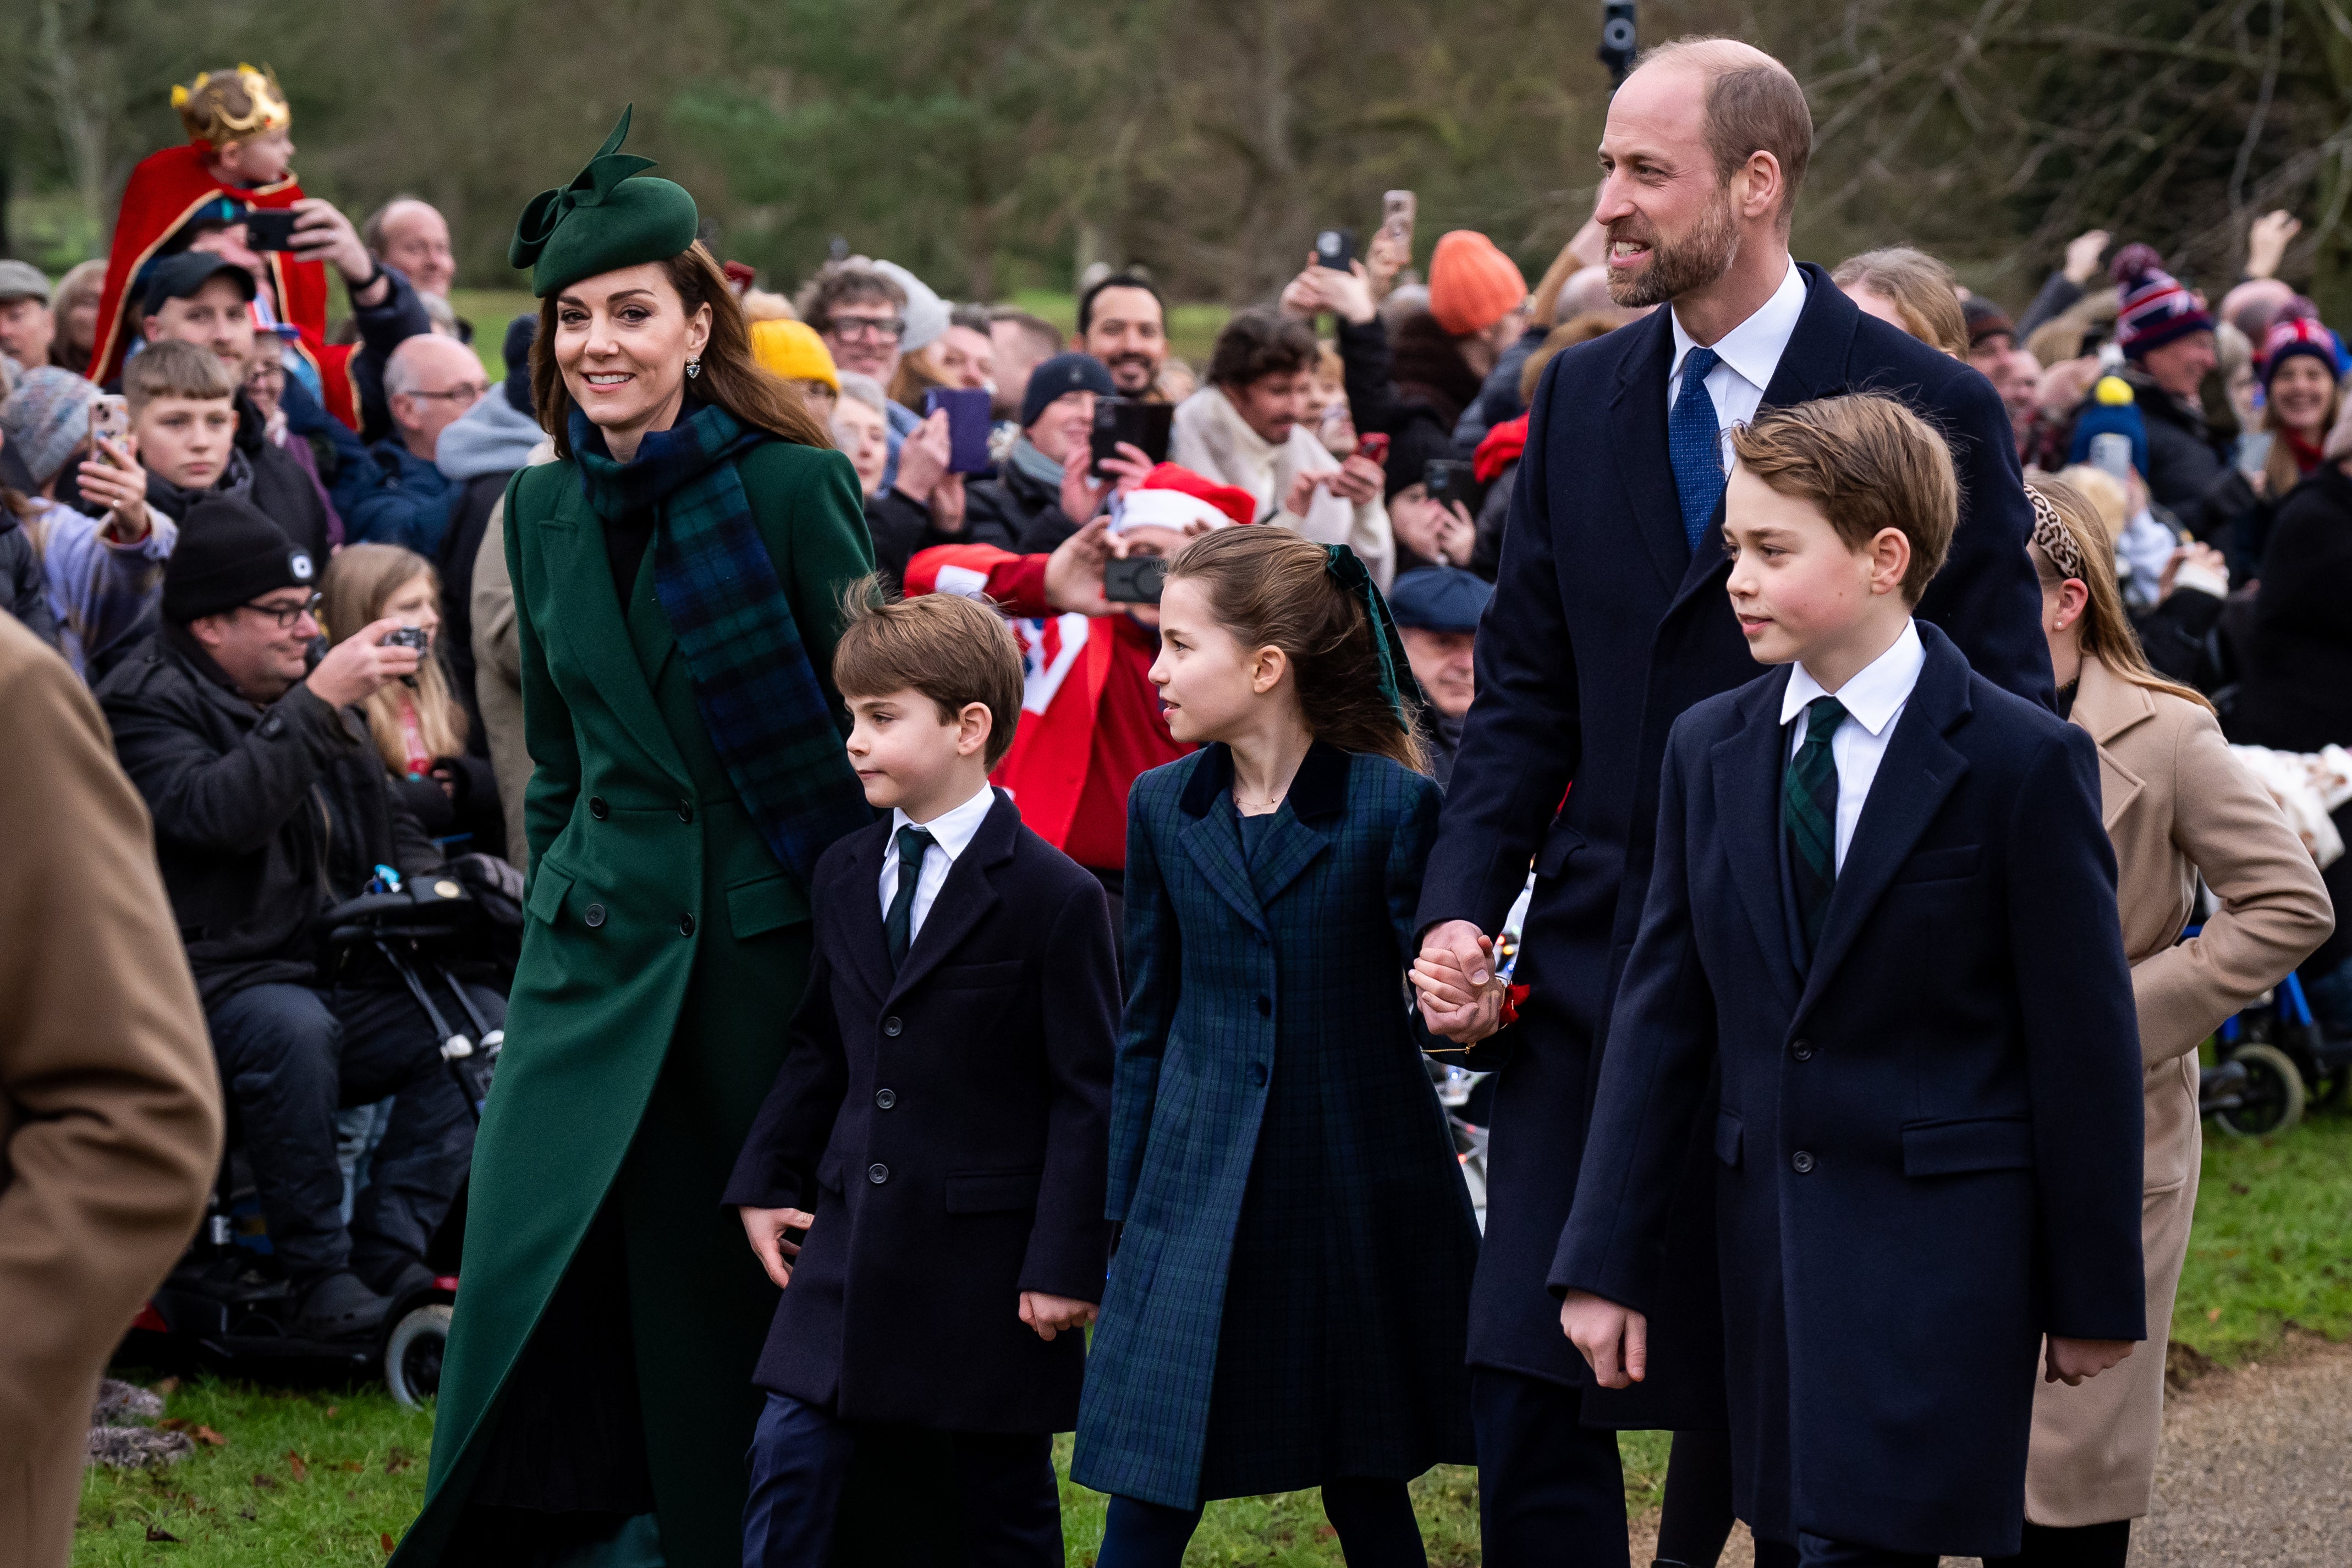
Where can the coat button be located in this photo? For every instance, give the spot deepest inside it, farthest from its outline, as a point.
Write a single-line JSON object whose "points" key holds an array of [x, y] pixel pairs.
{"points": [[597, 809], [594, 917], [1802, 1050], [686, 810], [884, 1098], [272, 727], [891, 1027], [1257, 1074], [686, 924], [1264, 1007], [1801, 1163], [878, 1174]]}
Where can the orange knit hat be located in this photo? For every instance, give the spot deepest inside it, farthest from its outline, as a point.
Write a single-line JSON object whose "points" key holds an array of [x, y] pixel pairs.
{"points": [[1472, 285]]}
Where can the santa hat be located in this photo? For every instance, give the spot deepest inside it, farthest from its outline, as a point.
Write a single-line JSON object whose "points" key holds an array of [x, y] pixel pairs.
{"points": [[1174, 497]]}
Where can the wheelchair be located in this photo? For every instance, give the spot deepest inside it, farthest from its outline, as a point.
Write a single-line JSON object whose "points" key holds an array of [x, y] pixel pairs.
{"points": [[221, 1306], [2273, 1060]]}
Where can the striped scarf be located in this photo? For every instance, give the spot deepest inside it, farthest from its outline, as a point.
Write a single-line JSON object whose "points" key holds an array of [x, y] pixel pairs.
{"points": [[767, 715]]}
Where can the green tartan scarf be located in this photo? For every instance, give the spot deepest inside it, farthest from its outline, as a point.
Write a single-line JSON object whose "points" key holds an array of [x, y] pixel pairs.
{"points": [[767, 715]]}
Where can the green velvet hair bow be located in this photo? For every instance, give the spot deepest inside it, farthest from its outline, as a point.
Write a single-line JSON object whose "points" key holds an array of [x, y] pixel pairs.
{"points": [[604, 219], [1396, 670]]}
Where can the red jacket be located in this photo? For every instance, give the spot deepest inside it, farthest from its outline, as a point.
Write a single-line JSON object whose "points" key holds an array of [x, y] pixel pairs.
{"points": [[1090, 717]]}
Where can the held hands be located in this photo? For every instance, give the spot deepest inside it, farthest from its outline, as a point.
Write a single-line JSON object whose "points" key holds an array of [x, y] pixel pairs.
{"points": [[2070, 1361], [775, 1251], [354, 667], [1050, 1315], [1460, 994], [1614, 1341], [117, 482]]}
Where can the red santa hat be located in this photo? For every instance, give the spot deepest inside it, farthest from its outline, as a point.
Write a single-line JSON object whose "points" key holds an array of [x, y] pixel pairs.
{"points": [[1175, 497]]}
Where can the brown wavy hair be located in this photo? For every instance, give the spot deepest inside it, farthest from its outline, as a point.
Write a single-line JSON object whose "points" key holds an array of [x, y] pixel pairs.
{"points": [[730, 376], [1270, 588], [359, 580]]}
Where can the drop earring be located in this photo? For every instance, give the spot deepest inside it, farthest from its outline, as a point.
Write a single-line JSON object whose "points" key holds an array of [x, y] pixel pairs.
{"points": [[693, 369]]}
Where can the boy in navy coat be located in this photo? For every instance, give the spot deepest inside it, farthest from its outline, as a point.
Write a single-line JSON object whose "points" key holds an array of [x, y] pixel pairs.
{"points": [[1885, 904], [941, 1126]]}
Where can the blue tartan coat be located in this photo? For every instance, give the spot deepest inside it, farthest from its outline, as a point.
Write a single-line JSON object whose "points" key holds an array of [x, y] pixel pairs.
{"points": [[1289, 1303]]}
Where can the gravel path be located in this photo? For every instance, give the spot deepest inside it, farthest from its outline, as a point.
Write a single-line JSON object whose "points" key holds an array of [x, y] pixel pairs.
{"points": [[2256, 1469]]}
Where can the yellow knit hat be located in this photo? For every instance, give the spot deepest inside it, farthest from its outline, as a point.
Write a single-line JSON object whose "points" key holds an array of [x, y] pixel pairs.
{"points": [[792, 349]]}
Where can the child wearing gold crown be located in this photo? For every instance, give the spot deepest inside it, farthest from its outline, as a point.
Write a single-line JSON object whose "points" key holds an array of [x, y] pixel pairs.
{"points": [[241, 120]]}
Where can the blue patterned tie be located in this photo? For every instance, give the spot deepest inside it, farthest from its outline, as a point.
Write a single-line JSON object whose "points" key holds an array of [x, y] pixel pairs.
{"points": [[1694, 443]]}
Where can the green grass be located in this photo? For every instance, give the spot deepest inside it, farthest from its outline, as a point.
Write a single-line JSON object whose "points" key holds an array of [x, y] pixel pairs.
{"points": [[2272, 1247], [489, 309]]}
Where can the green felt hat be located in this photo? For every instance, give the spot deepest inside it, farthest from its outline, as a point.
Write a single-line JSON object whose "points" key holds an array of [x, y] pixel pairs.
{"points": [[603, 220]]}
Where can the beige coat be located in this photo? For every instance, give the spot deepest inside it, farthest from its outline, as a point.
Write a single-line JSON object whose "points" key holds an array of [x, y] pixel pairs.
{"points": [[497, 678], [2176, 804], [109, 1103]]}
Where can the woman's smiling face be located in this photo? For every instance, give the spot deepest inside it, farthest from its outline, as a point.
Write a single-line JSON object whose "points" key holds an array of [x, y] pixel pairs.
{"points": [[622, 340]]}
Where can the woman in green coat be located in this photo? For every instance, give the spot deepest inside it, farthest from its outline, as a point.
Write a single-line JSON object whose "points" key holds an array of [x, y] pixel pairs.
{"points": [[677, 578]]}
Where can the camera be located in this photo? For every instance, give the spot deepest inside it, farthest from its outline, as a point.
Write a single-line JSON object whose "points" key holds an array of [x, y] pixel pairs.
{"points": [[415, 637], [1618, 47]]}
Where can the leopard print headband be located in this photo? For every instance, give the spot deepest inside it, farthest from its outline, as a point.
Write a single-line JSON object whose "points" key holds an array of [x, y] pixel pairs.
{"points": [[2056, 539]]}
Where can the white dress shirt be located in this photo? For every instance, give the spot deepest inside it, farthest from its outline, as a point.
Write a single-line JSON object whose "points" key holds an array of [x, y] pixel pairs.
{"points": [[954, 829], [1873, 700], [1747, 355]]}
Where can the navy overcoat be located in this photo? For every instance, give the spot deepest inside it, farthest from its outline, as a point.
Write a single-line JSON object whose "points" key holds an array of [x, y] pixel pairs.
{"points": [[1606, 626], [1928, 1149], [1289, 1299]]}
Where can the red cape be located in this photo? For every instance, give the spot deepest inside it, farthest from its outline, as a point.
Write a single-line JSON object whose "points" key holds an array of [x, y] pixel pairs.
{"points": [[164, 192]]}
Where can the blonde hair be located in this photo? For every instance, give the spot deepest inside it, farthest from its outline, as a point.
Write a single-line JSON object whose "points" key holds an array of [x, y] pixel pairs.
{"points": [[2105, 630], [1869, 463], [359, 580], [1922, 288], [2109, 502]]}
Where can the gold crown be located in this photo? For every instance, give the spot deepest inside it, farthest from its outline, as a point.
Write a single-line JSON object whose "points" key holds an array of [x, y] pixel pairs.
{"points": [[223, 107]]}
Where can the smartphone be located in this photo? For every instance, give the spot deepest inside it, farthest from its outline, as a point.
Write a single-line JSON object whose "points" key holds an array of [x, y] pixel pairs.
{"points": [[270, 229], [1398, 209], [1448, 480], [2254, 452], [1144, 425], [967, 426], [110, 420], [2111, 453], [1137, 579], [1374, 447], [1335, 249]]}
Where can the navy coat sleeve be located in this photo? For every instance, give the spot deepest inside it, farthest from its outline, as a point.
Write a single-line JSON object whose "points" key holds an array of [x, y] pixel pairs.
{"points": [[1155, 960], [1067, 1242], [1654, 1079], [2082, 1045], [1986, 598], [1523, 737]]}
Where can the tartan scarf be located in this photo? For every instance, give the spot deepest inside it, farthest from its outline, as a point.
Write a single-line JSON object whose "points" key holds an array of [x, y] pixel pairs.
{"points": [[767, 715]]}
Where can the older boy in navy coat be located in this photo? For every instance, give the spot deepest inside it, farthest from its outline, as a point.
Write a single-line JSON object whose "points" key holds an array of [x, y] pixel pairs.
{"points": [[944, 1112], [1885, 904]]}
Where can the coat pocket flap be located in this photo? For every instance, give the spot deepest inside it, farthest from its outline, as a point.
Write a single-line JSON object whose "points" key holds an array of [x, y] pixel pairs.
{"points": [[986, 1192], [1559, 844], [1979, 1144], [763, 905], [1728, 1132], [548, 888], [1937, 865]]}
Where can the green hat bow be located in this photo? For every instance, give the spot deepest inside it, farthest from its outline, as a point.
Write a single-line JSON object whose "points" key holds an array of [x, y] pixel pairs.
{"points": [[1396, 670], [604, 219]]}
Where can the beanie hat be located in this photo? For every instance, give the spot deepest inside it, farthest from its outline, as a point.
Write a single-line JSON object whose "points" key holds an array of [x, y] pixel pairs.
{"points": [[1439, 598], [793, 350], [2112, 411], [925, 312], [230, 554], [1472, 285], [46, 418], [607, 218], [1986, 320], [521, 332], [2297, 333], [2152, 307], [1061, 374], [1411, 452], [1174, 497]]}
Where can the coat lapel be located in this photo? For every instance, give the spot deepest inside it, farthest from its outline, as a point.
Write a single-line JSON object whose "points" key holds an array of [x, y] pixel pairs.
{"points": [[1317, 797], [1747, 768], [965, 899], [1637, 429], [1918, 773], [589, 621], [1211, 837], [2107, 705], [650, 636], [859, 895]]}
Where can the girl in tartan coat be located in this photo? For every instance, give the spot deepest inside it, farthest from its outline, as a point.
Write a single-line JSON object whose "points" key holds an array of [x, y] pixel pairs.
{"points": [[1289, 1301]]}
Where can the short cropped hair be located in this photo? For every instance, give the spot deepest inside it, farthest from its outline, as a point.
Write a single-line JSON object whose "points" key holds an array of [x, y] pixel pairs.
{"points": [[951, 649], [173, 369], [1043, 337], [1753, 105], [1116, 280], [1256, 344], [1922, 290], [1869, 463]]}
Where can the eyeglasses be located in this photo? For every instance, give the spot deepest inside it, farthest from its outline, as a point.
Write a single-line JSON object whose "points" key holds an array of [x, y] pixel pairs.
{"points": [[473, 393], [287, 615], [890, 327]]}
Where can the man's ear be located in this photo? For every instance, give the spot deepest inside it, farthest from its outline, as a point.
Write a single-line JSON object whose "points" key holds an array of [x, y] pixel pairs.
{"points": [[1890, 560], [1762, 196], [208, 630]]}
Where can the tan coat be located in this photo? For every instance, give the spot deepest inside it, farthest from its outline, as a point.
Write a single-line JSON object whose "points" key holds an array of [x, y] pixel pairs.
{"points": [[2176, 804], [110, 1102], [497, 678]]}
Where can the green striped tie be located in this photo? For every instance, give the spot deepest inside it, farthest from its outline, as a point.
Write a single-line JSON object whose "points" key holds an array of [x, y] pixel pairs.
{"points": [[1808, 797]]}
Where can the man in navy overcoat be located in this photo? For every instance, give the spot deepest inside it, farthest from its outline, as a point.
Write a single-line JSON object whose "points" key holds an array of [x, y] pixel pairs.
{"points": [[1609, 619]]}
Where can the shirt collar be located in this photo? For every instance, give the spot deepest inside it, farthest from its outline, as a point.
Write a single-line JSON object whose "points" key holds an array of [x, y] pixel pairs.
{"points": [[952, 829], [1876, 694], [1753, 348]]}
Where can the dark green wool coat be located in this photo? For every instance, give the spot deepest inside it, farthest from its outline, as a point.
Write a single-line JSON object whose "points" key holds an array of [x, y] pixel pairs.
{"points": [[665, 953]]}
